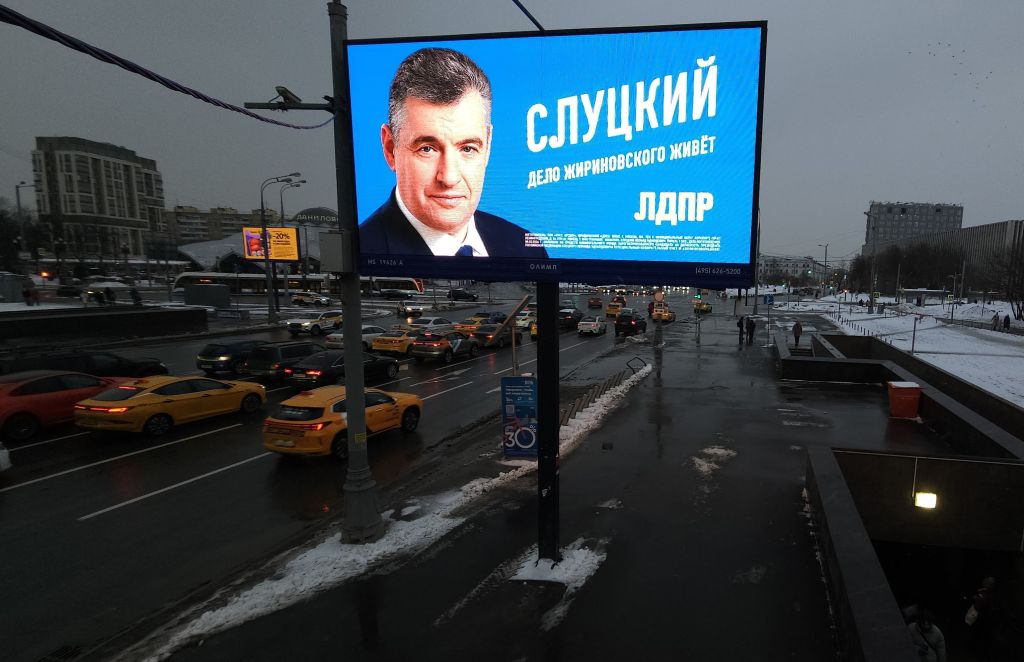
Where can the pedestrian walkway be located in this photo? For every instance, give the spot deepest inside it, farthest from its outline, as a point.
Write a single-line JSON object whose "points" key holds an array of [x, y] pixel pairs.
{"points": [[685, 505]]}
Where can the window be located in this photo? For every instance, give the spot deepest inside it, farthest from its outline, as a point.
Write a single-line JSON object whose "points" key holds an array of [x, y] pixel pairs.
{"points": [[374, 398], [118, 393], [40, 386], [175, 388], [339, 407], [80, 381], [299, 413], [200, 385]]}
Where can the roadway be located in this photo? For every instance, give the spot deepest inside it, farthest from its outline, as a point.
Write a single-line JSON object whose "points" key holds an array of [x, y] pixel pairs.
{"points": [[102, 530]]}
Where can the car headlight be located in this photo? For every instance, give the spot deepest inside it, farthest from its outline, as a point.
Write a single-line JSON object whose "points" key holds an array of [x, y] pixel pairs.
{"points": [[306, 324], [223, 358]]}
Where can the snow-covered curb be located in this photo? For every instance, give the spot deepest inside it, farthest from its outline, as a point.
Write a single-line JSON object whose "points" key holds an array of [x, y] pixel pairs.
{"points": [[329, 563]]}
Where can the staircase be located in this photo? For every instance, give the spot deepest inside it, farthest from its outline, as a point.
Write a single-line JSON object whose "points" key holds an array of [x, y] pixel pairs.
{"points": [[800, 351]]}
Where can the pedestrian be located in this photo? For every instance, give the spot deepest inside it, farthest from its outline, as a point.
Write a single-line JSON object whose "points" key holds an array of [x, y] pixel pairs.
{"points": [[928, 639], [798, 328], [34, 293], [980, 618], [136, 297], [98, 295], [26, 296], [751, 325], [1006, 323], [995, 322], [84, 296], [109, 295], [740, 326]]}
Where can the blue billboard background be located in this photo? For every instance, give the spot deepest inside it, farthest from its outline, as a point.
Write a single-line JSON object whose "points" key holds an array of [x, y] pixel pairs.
{"points": [[528, 70]]}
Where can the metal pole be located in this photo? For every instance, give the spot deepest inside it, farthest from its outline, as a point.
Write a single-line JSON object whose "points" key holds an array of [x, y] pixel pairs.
{"points": [[874, 262], [363, 522], [265, 242], [757, 263], [913, 338], [305, 265], [21, 219], [547, 421]]}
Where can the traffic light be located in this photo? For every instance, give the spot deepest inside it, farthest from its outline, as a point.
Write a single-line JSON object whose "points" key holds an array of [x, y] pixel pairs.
{"points": [[697, 295]]}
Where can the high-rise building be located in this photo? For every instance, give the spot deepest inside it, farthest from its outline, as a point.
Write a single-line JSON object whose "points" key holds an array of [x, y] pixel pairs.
{"points": [[890, 222], [185, 224], [103, 200]]}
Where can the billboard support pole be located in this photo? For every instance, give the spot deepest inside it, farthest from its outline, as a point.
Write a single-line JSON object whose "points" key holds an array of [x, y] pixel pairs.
{"points": [[547, 421], [363, 522]]}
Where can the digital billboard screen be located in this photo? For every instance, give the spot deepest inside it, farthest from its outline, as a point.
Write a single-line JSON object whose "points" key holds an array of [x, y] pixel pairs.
{"points": [[598, 156], [283, 243]]}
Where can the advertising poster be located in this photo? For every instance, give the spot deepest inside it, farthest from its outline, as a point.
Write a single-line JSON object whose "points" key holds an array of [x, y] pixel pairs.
{"points": [[519, 416], [578, 156], [284, 244]]}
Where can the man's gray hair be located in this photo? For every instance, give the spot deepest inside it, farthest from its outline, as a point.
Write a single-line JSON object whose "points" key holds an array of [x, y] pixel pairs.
{"points": [[439, 76]]}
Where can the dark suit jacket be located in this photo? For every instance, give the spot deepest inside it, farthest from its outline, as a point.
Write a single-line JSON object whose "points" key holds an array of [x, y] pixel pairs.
{"points": [[388, 232]]}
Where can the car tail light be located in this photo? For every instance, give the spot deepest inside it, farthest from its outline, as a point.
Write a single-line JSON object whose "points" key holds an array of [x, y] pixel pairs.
{"points": [[633, 322], [287, 371], [107, 410], [275, 366], [314, 373]]}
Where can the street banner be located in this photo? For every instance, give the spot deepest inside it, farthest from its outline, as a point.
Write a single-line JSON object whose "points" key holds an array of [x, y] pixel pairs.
{"points": [[519, 416], [283, 243]]}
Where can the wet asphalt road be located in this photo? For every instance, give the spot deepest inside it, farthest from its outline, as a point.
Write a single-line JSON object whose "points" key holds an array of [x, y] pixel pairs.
{"points": [[102, 530]]}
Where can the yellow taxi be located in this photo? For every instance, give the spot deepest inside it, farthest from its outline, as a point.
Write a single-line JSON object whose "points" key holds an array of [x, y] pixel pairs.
{"points": [[156, 404], [701, 308], [396, 341], [470, 325], [314, 422], [663, 313], [613, 309], [533, 330]]}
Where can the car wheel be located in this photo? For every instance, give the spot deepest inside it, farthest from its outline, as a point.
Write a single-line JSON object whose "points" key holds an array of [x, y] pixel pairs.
{"points": [[410, 419], [21, 427], [392, 370], [251, 403], [472, 351], [447, 356], [339, 447], [157, 425], [237, 367], [315, 330]]}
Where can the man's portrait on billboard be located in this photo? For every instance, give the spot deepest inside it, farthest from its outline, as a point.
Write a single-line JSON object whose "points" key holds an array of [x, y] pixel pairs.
{"points": [[437, 141]]}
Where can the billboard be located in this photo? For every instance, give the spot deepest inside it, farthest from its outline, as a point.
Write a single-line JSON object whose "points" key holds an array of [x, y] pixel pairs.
{"points": [[599, 156], [283, 243]]}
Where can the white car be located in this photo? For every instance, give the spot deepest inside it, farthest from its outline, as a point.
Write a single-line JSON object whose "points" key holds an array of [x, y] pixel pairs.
{"points": [[322, 323], [409, 309], [315, 298], [592, 325], [524, 320], [432, 324], [337, 340]]}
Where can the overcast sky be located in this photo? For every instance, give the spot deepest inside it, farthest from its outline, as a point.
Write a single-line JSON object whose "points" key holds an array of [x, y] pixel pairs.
{"points": [[871, 100]]}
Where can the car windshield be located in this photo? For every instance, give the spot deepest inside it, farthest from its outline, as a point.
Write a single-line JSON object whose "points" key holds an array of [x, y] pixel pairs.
{"points": [[589, 319], [319, 359], [265, 353], [488, 328], [119, 393], [289, 413], [393, 334], [471, 320], [428, 337], [213, 350]]}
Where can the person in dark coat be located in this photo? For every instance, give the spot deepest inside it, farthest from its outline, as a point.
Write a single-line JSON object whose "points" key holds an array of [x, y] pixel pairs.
{"points": [[109, 295], [751, 326], [928, 639], [740, 326], [798, 329], [1006, 323]]}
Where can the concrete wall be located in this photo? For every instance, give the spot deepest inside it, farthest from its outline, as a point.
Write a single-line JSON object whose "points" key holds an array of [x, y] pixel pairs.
{"points": [[95, 322], [980, 502], [870, 626]]}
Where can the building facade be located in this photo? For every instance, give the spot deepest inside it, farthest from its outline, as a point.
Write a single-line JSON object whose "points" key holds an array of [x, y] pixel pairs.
{"points": [[100, 199], [188, 225], [890, 222]]}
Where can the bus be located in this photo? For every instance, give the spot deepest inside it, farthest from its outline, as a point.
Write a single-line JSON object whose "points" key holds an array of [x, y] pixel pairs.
{"points": [[323, 283]]}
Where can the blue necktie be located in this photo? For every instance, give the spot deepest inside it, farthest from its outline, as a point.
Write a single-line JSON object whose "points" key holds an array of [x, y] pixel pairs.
{"points": [[466, 250]]}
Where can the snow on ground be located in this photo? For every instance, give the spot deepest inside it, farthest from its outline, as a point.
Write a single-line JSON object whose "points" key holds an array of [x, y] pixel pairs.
{"points": [[332, 562], [20, 307], [578, 564], [709, 460], [991, 360]]}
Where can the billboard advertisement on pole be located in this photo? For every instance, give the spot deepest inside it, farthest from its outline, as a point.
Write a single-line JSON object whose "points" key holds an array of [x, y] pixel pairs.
{"points": [[283, 243], [603, 156]]}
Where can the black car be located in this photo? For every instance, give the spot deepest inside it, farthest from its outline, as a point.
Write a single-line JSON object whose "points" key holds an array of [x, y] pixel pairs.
{"points": [[568, 318], [392, 295], [98, 364], [271, 360], [325, 368], [461, 295], [628, 325], [226, 356], [488, 335], [492, 317]]}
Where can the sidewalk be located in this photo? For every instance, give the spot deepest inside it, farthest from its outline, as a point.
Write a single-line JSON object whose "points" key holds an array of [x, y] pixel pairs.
{"points": [[685, 505]]}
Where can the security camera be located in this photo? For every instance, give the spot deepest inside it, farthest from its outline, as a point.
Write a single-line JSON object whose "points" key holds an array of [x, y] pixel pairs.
{"points": [[287, 95]]}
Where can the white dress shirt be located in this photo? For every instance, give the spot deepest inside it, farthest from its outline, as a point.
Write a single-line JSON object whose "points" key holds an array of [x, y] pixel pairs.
{"points": [[442, 243]]}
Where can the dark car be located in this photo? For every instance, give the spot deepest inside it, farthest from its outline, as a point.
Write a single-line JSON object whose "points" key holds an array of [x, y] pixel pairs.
{"points": [[393, 295], [100, 364], [68, 290], [325, 368], [568, 318], [226, 356], [461, 295], [493, 316], [270, 360], [443, 345], [628, 325], [488, 335], [595, 302]]}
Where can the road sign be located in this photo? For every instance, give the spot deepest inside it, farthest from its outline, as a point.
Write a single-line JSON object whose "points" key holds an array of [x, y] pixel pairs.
{"points": [[769, 299], [519, 416]]}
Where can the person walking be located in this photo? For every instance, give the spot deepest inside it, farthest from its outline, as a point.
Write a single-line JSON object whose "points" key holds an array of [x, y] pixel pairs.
{"points": [[1006, 323], [109, 295], [751, 325], [740, 326], [26, 295], [84, 296], [798, 329], [928, 639]]}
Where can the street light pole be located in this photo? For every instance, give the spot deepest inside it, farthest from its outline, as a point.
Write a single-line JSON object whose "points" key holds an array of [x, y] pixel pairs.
{"points": [[874, 259], [21, 218], [265, 241], [826, 266], [281, 194]]}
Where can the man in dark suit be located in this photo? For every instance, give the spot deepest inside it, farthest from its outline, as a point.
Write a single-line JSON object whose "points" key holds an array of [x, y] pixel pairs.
{"points": [[438, 141]]}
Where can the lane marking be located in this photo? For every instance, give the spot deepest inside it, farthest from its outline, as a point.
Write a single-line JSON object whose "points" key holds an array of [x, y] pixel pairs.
{"points": [[448, 391], [171, 487], [114, 459], [400, 379], [521, 364], [493, 390], [50, 441]]}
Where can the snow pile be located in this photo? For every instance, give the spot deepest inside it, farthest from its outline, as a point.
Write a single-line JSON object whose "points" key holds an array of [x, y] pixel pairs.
{"points": [[575, 431], [578, 564], [611, 504], [712, 456]]}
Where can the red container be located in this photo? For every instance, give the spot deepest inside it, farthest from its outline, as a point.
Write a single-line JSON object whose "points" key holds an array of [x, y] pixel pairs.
{"points": [[904, 399]]}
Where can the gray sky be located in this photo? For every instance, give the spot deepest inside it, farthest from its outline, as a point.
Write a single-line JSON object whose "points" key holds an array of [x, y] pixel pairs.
{"points": [[872, 100]]}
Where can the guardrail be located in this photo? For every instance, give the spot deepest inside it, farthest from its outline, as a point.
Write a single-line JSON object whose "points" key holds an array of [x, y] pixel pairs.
{"points": [[596, 391]]}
